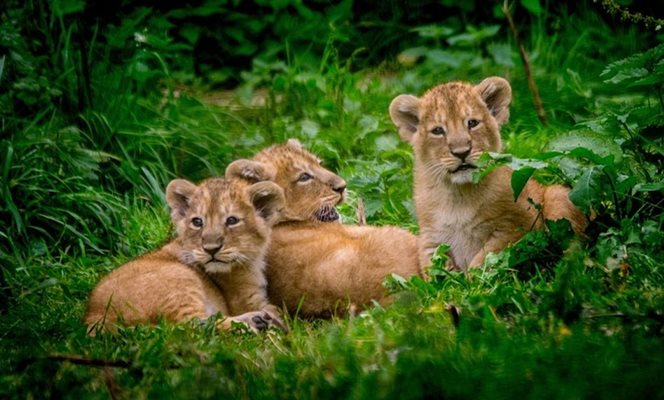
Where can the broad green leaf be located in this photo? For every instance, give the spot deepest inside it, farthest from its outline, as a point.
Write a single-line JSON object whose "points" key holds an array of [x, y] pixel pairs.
{"points": [[433, 31], [635, 67], [473, 36], [519, 179], [583, 152], [649, 187], [601, 146], [585, 190], [533, 6], [191, 33], [66, 7], [627, 74], [501, 53]]}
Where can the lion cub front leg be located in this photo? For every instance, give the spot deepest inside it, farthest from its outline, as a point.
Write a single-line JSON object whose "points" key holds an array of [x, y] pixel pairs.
{"points": [[494, 244], [428, 249]]}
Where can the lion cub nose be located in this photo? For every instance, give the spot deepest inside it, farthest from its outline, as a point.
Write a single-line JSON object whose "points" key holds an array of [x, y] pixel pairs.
{"points": [[212, 248], [461, 153], [339, 187]]}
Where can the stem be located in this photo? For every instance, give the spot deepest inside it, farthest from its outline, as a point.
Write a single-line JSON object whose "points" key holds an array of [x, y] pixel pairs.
{"points": [[613, 193], [526, 66], [649, 21]]}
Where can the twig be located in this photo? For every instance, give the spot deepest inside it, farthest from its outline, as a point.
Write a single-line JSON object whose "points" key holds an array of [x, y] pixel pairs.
{"points": [[526, 65], [614, 8], [361, 213], [111, 383]]}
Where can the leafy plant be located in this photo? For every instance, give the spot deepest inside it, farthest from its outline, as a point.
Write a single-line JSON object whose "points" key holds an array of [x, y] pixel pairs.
{"points": [[551, 316]]}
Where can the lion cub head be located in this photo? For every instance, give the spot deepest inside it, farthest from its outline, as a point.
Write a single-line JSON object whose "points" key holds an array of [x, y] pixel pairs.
{"points": [[222, 223], [311, 192], [452, 124]]}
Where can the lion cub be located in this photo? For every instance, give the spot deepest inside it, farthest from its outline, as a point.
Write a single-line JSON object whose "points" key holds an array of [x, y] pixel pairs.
{"points": [[449, 127], [315, 265], [215, 264]]}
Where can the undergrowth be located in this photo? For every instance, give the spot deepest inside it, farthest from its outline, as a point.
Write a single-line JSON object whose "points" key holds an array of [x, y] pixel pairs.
{"points": [[84, 159]]}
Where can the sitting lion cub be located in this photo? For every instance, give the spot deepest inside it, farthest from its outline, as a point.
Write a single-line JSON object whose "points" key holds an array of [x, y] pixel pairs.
{"points": [[215, 264], [315, 265], [449, 127]]}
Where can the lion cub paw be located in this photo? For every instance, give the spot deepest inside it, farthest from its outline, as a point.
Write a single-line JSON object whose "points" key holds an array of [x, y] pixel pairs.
{"points": [[256, 321]]}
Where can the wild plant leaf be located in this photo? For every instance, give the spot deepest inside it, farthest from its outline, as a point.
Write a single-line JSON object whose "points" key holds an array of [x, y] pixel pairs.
{"points": [[624, 184], [487, 162], [502, 54], [519, 179], [450, 58], [628, 74], [522, 168], [581, 152], [395, 283], [601, 146], [433, 31], [533, 6], [635, 67], [66, 7], [586, 191], [412, 54], [473, 36], [649, 187]]}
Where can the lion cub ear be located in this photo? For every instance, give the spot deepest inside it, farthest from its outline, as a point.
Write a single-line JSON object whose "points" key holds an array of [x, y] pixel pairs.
{"points": [[252, 171], [178, 193], [292, 142], [405, 113], [497, 94], [268, 199]]}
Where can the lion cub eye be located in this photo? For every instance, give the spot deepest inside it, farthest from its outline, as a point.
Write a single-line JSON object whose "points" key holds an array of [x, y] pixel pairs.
{"points": [[232, 221], [197, 222], [305, 177], [438, 131], [473, 123]]}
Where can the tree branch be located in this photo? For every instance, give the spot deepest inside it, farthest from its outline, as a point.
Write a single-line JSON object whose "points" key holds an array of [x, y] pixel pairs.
{"points": [[526, 65]]}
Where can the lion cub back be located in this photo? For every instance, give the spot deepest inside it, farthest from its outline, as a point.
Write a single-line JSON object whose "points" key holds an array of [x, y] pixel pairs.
{"points": [[317, 266], [152, 287]]}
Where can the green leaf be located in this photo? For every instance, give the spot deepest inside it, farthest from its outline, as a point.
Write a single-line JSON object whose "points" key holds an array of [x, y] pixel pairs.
{"points": [[635, 68], [628, 74], [473, 36], [519, 179], [65, 7], [433, 31], [533, 6], [502, 54], [649, 187], [601, 146], [585, 191]]}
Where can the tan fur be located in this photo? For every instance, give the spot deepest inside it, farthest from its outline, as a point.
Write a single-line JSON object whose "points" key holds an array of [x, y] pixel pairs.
{"points": [[474, 219], [214, 267], [321, 268]]}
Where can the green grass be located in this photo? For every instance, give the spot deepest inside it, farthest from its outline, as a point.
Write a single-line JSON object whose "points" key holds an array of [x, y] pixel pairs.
{"points": [[550, 317]]}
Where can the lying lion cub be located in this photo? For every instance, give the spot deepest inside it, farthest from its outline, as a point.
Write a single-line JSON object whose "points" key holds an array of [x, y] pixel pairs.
{"points": [[315, 265], [449, 127], [215, 264]]}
